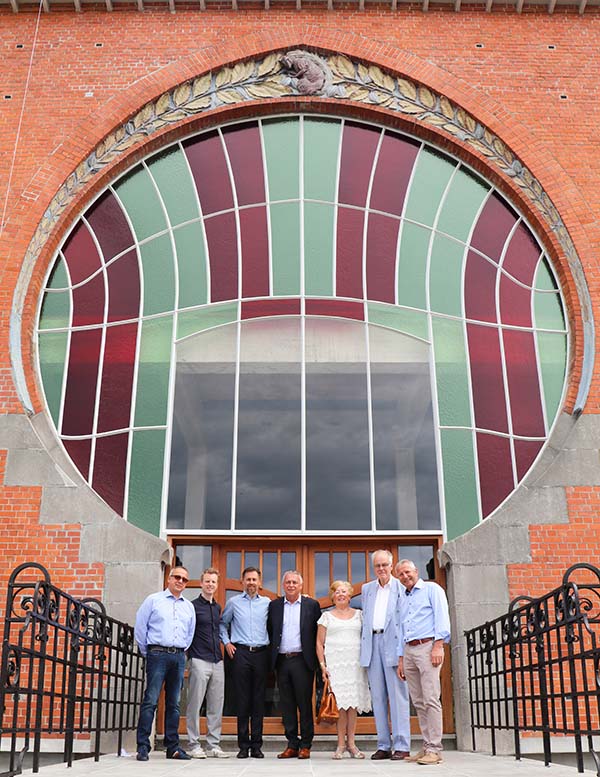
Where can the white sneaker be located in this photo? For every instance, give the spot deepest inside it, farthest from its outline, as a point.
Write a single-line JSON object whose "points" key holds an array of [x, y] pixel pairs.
{"points": [[216, 752], [197, 752]]}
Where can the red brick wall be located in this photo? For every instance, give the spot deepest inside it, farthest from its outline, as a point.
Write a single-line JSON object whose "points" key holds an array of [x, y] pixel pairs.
{"points": [[79, 92]]}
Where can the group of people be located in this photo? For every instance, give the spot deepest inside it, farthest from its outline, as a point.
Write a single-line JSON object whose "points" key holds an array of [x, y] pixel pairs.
{"points": [[373, 658]]}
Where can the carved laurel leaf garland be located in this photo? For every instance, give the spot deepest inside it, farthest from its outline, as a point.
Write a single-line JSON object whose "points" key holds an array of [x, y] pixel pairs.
{"points": [[298, 73]]}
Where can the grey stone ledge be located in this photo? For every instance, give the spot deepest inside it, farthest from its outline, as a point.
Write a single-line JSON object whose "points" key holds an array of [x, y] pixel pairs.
{"points": [[32, 467]]}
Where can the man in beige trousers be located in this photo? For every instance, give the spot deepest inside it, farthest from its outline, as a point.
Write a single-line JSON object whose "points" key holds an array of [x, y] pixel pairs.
{"points": [[424, 628]]}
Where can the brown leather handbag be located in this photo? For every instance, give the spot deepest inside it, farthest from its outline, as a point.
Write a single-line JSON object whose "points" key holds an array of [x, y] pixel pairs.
{"points": [[328, 709]]}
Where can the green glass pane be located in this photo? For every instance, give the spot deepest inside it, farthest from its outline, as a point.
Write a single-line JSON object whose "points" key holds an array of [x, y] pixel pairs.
{"points": [[159, 277], [138, 195], [56, 310], [285, 248], [191, 321], [412, 322], [544, 278], [412, 265], [153, 372], [430, 178], [318, 249], [171, 173], [321, 146], [451, 372], [146, 479], [59, 278], [191, 265], [548, 311], [552, 349], [462, 204], [282, 145], [53, 352], [445, 276], [460, 486]]}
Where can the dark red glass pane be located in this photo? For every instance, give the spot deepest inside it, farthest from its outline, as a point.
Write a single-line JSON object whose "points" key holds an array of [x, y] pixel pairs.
{"points": [[117, 377], [486, 378], [221, 237], [81, 254], [79, 451], [523, 384], [495, 471], [270, 307], [88, 302], [522, 255], [480, 288], [349, 252], [110, 226], [245, 157], [82, 374], [493, 227], [382, 243], [124, 288], [392, 174], [335, 307], [358, 153], [526, 452], [109, 470], [515, 303], [209, 168], [255, 252]]}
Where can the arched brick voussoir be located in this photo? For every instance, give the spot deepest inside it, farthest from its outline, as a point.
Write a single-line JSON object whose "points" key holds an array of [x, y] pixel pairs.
{"points": [[526, 169]]}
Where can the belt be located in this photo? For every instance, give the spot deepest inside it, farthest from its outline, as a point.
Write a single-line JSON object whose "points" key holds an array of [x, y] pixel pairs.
{"points": [[378, 631], [413, 642], [290, 655], [163, 649], [251, 648]]}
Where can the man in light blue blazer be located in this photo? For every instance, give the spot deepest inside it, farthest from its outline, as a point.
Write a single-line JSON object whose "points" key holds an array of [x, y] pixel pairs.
{"points": [[379, 654]]}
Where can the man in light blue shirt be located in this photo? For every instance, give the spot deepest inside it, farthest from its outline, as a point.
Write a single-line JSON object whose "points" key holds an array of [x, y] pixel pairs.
{"points": [[244, 633], [164, 629], [424, 628]]}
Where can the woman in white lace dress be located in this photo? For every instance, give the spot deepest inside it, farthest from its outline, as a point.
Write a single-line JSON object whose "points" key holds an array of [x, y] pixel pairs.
{"points": [[338, 650]]}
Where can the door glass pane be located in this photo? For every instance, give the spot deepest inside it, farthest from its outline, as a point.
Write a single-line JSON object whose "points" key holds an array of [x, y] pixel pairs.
{"points": [[406, 487], [340, 566], [359, 572], [195, 557], [234, 564], [322, 581], [422, 556], [269, 425], [338, 492], [252, 559], [202, 442], [287, 561], [269, 571]]}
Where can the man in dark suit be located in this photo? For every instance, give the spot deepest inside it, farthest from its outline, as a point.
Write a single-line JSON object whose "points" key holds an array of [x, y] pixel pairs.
{"points": [[292, 627]]}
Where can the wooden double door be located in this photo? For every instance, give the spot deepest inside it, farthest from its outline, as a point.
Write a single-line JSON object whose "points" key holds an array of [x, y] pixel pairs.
{"points": [[320, 561]]}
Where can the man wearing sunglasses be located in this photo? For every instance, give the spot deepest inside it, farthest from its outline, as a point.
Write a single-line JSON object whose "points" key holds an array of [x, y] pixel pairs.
{"points": [[164, 629]]}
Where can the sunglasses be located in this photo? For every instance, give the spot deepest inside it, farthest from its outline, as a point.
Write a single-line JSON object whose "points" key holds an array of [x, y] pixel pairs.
{"points": [[180, 578]]}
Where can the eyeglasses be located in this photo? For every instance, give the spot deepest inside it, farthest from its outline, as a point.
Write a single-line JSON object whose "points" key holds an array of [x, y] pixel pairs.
{"points": [[180, 578], [381, 566]]}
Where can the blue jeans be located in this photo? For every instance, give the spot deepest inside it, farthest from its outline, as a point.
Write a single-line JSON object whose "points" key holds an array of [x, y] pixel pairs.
{"points": [[167, 668]]}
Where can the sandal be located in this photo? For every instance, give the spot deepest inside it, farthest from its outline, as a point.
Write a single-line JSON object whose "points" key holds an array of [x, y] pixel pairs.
{"points": [[355, 752], [339, 754]]}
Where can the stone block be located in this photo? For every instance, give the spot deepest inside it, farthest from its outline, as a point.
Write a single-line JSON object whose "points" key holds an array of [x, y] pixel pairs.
{"points": [[577, 467], [127, 585], [467, 583], [73, 504], [17, 432], [32, 467]]}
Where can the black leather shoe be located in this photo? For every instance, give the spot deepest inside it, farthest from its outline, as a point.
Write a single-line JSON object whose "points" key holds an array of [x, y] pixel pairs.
{"points": [[179, 755], [244, 752], [256, 752], [142, 754], [381, 755]]}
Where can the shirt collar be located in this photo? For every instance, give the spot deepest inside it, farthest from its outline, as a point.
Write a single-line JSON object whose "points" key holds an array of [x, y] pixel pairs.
{"points": [[287, 601], [168, 594], [387, 585]]}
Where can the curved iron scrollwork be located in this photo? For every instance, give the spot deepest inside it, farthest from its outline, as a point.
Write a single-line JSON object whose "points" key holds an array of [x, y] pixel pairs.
{"points": [[539, 678], [61, 670]]}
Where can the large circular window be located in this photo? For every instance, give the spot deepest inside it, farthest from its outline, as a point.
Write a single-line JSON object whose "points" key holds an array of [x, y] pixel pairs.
{"points": [[301, 221]]}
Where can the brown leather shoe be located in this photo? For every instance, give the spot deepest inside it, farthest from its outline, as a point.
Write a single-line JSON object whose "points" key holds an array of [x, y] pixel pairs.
{"points": [[289, 752], [381, 755], [304, 752], [400, 755]]}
